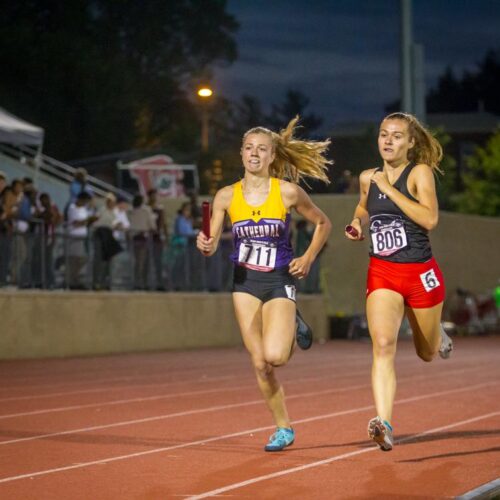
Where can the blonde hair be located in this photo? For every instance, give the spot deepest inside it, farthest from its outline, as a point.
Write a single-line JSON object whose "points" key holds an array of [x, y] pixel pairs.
{"points": [[295, 158], [427, 148]]}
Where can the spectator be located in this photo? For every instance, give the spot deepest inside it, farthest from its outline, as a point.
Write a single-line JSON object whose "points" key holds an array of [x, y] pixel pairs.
{"points": [[184, 234], [195, 209], [122, 223], [142, 223], [159, 237], [11, 196], [25, 234], [78, 185], [3, 181], [183, 228], [345, 183], [105, 244], [28, 184], [45, 240], [5, 231], [79, 219]]}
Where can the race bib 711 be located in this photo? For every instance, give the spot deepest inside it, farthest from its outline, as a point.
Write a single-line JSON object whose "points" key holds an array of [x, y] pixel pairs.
{"points": [[257, 256]]}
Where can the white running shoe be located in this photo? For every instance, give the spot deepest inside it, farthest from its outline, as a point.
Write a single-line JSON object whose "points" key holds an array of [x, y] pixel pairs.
{"points": [[381, 432], [446, 345]]}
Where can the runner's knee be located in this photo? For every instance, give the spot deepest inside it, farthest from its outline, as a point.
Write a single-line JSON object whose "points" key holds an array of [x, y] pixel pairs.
{"points": [[262, 368], [276, 357], [384, 346]]}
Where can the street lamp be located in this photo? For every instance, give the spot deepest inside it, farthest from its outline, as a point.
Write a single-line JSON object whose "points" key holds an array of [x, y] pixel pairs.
{"points": [[205, 93]]}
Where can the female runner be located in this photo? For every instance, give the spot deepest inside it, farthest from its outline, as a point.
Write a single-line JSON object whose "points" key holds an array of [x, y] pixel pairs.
{"points": [[264, 266], [398, 201]]}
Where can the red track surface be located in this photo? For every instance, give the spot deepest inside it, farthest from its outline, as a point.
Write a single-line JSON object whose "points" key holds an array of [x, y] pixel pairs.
{"points": [[176, 425]]}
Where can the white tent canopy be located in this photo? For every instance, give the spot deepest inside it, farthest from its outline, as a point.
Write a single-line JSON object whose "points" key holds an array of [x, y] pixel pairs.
{"points": [[15, 131]]}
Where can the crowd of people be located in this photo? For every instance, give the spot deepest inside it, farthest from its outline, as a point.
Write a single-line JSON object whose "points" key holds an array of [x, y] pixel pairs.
{"points": [[100, 245], [28, 222]]}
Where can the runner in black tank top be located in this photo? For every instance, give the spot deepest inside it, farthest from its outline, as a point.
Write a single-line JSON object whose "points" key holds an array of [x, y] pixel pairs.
{"points": [[398, 203], [393, 235]]}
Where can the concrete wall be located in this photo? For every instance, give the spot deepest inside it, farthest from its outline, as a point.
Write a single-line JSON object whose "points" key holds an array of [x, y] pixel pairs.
{"points": [[56, 324]]}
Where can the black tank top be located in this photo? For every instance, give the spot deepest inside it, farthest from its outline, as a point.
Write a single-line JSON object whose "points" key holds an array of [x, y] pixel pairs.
{"points": [[394, 236]]}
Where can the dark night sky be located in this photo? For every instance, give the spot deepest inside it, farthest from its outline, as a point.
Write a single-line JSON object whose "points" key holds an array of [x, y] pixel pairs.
{"points": [[344, 54]]}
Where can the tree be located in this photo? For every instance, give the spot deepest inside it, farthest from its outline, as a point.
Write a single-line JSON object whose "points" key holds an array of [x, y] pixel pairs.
{"points": [[295, 103], [482, 181], [446, 184], [475, 90], [101, 76]]}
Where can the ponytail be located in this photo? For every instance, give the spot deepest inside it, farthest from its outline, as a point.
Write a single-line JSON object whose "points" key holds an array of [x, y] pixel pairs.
{"points": [[296, 159]]}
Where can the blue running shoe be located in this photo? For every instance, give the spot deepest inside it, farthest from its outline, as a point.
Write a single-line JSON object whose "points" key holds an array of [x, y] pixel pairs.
{"points": [[303, 334], [282, 438]]}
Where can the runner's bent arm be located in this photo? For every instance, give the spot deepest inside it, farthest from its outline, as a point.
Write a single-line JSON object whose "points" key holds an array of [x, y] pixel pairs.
{"points": [[222, 200], [295, 196], [361, 216], [425, 213]]}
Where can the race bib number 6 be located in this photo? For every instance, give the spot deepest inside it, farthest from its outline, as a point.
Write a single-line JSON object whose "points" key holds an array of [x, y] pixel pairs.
{"points": [[257, 255], [429, 280]]}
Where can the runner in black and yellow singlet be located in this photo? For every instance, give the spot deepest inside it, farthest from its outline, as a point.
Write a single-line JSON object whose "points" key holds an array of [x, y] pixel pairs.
{"points": [[265, 268], [261, 236]]}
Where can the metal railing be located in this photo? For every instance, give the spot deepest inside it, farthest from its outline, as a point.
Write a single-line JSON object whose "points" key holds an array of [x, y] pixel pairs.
{"points": [[57, 169], [59, 260], [45, 259]]}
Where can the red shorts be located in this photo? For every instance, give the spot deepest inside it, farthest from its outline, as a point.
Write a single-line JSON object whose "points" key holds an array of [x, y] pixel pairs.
{"points": [[420, 284]]}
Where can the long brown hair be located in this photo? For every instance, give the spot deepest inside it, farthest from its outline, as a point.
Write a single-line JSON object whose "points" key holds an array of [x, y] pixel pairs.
{"points": [[427, 148], [295, 158]]}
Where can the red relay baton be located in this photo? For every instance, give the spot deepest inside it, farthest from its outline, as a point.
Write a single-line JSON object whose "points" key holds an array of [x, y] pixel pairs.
{"points": [[205, 225], [352, 231]]}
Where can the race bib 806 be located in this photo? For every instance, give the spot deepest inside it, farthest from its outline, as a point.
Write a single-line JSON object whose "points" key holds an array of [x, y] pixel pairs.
{"points": [[388, 235]]}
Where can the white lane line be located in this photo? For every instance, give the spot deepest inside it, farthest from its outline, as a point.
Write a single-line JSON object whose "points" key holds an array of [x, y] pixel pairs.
{"points": [[156, 397], [202, 379], [95, 372], [181, 414], [287, 378], [115, 388], [209, 409], [335, 458], [236, 434], [338, 363], [208, 391]]}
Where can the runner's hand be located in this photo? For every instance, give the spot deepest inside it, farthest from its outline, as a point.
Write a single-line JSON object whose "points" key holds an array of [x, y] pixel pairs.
{"points": [[380, 179], [205, 245], [356, 224], [300, 267]]}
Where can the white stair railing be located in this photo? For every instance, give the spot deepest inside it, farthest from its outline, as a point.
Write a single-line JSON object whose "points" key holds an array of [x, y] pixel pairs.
{"points": [[55, 168]]}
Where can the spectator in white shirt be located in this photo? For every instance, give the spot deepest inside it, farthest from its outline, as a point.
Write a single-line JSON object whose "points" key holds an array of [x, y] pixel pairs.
{"points": [[142, 224], [79, 219]]}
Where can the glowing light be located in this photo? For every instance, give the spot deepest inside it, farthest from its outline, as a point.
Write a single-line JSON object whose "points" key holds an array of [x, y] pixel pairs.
{"points": [[205, 92]]}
